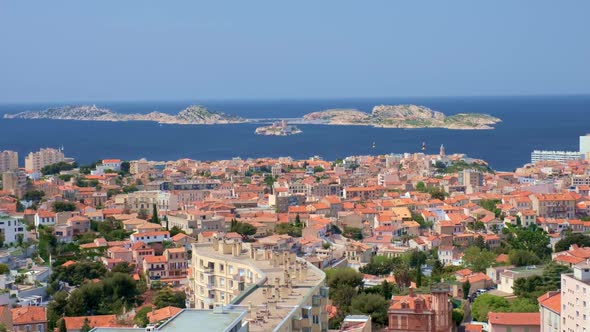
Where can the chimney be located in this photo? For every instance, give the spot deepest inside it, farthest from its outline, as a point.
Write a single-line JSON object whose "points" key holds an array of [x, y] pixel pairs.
{"points": [[411, 291]]}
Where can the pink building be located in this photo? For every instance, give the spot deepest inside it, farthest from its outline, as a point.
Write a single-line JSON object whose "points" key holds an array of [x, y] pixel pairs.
{"points": [[514, 321]]}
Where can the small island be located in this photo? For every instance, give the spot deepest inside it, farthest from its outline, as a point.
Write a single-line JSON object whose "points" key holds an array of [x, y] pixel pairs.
{"points": [[402, 116], [280, 128], [190, 115]]}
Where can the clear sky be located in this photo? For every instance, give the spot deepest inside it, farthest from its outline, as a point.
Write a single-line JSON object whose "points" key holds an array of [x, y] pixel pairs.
{"points": [[158, 50]]}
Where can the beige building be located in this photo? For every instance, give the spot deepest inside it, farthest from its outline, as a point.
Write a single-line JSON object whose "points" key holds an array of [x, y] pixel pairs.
{"points": [[8, 161], [194, 222], [554, 205], [35, 161], [575, 300], [145, 199], [15, 182], [281, 292]]}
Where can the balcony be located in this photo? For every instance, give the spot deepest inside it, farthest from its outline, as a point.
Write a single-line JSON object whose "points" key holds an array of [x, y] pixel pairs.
{"points": [[209, 301]]}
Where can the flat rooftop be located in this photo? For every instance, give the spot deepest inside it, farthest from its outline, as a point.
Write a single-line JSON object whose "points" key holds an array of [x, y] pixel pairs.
{"points": [[190, 320], [255, 296]]}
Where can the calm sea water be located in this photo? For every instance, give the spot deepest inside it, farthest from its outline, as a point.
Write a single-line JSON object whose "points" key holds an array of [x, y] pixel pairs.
{"points": [[552, 123]]}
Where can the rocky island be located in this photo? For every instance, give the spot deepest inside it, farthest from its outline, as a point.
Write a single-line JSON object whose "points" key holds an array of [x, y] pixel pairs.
{"points": [[190, 115], [402, 116], [385, 116], [280, 128]]}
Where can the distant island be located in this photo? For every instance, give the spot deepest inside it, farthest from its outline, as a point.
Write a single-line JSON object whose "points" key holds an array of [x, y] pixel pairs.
{"points": [[402, 116], [190, 115], [280, 128], [384, 116]]}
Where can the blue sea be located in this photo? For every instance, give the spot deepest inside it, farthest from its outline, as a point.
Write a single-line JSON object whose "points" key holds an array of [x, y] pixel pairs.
{"points": [[529, 123]]}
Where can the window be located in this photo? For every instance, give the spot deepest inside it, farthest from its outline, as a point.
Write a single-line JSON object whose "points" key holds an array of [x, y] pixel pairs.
{"points": [[316, 319]]}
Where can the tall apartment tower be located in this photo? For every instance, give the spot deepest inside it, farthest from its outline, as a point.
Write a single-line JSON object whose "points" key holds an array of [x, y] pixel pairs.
{"points": [[8, 161], [585, 146], [575, 299], [15, 182], [35, 161]]}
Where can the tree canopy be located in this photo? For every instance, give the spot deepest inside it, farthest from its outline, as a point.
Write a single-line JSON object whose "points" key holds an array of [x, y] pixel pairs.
{"points": [[477, 259], [574, 238]]}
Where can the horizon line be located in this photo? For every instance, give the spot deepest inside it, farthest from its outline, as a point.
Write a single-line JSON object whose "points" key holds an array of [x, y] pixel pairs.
{"points": [[271, 99]]}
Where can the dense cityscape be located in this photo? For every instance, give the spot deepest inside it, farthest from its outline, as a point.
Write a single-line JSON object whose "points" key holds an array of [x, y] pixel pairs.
{"points": [[410, 242]]}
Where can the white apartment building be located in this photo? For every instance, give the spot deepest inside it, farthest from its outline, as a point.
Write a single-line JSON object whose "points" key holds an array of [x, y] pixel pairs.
{"points": [[45, 218], [35, 161], [283, 292], [585, 146], [575, 299], [542, 155], [11, 228], [8, 161]]}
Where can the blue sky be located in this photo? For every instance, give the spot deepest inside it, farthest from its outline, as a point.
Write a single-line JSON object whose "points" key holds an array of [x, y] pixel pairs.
{"points": [[159, 50]]}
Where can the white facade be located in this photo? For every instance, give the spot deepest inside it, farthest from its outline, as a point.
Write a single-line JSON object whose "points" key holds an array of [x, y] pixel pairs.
{"points": [[10, 228], [585, 145], [45, 219], [150, 237], [542, 155], [575, 300]]}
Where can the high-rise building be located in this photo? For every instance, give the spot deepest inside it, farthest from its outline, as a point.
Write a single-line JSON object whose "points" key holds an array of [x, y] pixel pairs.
{"points": [[585, 146], [35, 161], [470, 178], [15, 182], [8, 161], [575, 299]]}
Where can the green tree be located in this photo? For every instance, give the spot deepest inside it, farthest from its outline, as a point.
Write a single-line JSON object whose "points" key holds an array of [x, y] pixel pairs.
{"points": [[521, 257], [523, 305], [490, 205], [480, 242], [61, 325], [176, 230], [466, 289], [4, 269], [125, 167], [34, 195], [457, 316], [56, 308], [531, 238], [123, 267], [318, 169], [381, 265], [373, 305], [353, 233], [287, 228], [421, 187], [60, 206], [344, 284], [486, 303], [167, 297], [574, 238], [155, 219], [478, 260], [141, 316]]}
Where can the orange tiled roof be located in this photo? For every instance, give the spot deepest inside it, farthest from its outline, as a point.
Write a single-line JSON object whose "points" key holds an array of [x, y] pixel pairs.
{"points": [[162, 314], [29, 315], [515, 318], [76, 323]]}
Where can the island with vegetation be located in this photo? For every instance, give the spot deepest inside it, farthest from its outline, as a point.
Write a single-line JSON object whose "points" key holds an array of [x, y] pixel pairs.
{"points": [[384, 116], [190, 115], [402, 116], [280, 128]]}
